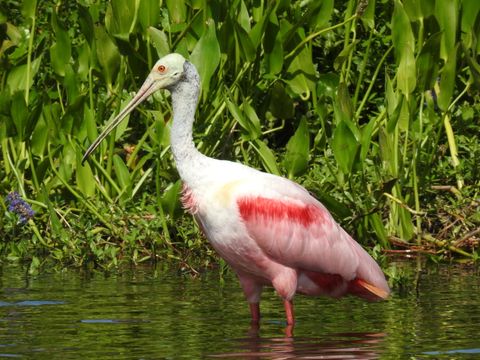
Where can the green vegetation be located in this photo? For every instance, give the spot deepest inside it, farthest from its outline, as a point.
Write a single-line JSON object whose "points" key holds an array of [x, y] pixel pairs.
{"points": [[372, 105]]}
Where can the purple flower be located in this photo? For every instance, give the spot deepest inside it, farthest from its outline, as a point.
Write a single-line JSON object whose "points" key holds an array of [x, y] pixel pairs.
{"points": [[20, 207]]}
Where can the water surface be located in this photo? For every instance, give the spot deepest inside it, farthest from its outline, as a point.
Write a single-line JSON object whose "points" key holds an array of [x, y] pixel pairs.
{"points": [[149, 314]]}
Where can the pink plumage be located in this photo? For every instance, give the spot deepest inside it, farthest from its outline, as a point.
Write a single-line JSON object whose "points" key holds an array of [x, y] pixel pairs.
{"points": [[269, 229]]}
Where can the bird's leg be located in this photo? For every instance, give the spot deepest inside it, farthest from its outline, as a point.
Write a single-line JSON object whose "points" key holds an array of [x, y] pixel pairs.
{"points": [[288, 304], [255, 311]]}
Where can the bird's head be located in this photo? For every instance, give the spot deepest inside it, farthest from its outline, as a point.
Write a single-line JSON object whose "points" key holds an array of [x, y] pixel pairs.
{"points": [[167, 72]]}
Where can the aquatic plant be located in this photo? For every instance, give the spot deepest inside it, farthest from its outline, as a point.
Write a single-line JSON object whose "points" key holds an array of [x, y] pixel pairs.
{"points": [[334, 95], [18, 206]]}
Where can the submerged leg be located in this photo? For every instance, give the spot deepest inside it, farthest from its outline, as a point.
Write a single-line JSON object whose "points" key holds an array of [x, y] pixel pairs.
{"points": [[252, 290], [255, 311], [288, 304]]}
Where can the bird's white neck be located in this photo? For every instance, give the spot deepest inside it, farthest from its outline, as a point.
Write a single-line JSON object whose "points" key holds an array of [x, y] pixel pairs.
{"points": [[184, 101]]}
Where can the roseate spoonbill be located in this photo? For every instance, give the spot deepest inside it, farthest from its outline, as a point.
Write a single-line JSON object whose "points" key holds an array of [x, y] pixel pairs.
{"points": [[269, 229]]}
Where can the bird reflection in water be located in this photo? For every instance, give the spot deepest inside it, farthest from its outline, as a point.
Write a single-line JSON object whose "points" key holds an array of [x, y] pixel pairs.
{"points": [[361, 346]]}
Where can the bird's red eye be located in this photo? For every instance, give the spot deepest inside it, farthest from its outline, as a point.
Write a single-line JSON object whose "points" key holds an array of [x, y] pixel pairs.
{"points": [[161, 68]]}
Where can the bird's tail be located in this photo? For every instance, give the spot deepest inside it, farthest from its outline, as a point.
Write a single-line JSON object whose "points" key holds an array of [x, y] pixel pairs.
{"points": [[365, 290]]}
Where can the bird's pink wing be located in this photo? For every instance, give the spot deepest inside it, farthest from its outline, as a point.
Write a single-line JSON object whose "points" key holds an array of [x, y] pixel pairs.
{"points": [[296, 230]]}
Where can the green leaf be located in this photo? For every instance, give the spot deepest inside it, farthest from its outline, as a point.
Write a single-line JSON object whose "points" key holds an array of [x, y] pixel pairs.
{"points": [[267, 156], [206, 54], [446, 13], [404, 44], [301, 73], [29, 8], [402, 34], [248, 52], [368, 16], [19, 114], [159, 40], [447, 80], [148, 13], [177, 9], [406, 74], [122, 173], [366, 138], [281, 104], [427, 62], [170, 198], [344, 147], [17, 77], [107, 55], [60, 51], [343, 56], [252, 128], [297, 153], [120, 18], [84, 177]]}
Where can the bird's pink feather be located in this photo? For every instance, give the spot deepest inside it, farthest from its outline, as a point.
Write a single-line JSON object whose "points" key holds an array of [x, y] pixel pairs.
{"points": [[302, 235]]}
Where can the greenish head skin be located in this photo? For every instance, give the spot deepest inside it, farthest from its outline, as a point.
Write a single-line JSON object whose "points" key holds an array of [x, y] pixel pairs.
{"points": [[166, 73]]}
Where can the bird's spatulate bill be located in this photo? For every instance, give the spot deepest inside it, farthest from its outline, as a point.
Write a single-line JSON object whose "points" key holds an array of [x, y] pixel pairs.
{"points": [[145, 91]]}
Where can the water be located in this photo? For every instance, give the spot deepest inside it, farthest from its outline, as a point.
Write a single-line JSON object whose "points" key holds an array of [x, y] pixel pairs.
{"points": [[149, 314]]}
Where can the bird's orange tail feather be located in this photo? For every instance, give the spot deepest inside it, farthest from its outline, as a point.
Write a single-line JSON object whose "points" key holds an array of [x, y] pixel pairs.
{"points": [[366, 290]]}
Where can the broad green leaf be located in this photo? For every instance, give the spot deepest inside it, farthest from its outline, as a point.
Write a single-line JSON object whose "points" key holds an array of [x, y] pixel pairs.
{"points": [[376, 221], [301, 74], [67, 162], [243, 17], [407, 73], [17, 77], [344, 147], [159, 41], [39, 139], [177, 10], [170, 198], [90, 123], [107, 55], [266, 28], [343, 56], [343, 110], [206, 54], [368, 16], [427, 62], [267, 156], [60, 51], [402, 35], [413, 9], [122, 173], [83, 61], [84, 177], [86, 24], [322, 14], [328, 84], [252, 117], [19, 114], [29, 8], [281, 104], [297, 153], [120, 18], [447, 80], [470, 13], [446, 13], [253, 131], [148, 13], [366, 138], [404, 116], [394, 116], [248, 52], [404, 44], [274, 59]]}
